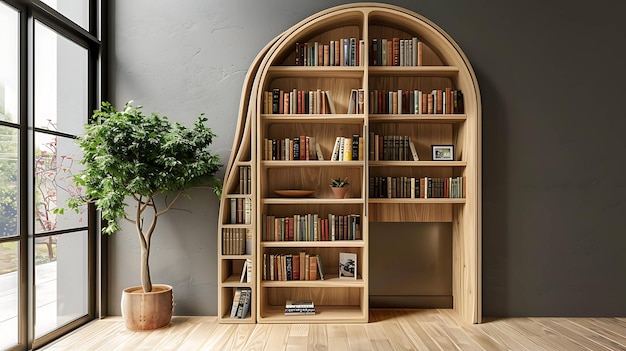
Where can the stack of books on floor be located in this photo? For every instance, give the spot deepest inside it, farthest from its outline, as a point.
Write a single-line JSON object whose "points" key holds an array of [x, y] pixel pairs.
{"points": [[300, 307]]}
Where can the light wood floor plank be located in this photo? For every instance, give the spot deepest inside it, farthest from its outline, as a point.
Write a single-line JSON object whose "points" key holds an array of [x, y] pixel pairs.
{"points": [[337, 337], [277, 339], [357, 338], [318, 338], [474, 332], [574, 333], [388, 330], [600, 335], [298, 337], [256, 341]]}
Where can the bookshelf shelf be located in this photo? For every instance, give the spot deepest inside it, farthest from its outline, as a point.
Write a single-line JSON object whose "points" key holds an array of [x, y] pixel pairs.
{"points": [[320, 244], [314, 118], [323, 314], [329, 281], [236, 257], [416, 201], [315, 72], [312, 164], [417, 164], [274, 82], [408, 118], [234, 282], [312, 201], [411, 71]]}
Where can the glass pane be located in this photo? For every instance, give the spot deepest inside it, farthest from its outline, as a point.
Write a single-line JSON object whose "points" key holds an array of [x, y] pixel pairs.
{"points": [[61, 280], [60, 82], [76, 10], [9, 285], [9, 66], [8, 181], [56, 161]]}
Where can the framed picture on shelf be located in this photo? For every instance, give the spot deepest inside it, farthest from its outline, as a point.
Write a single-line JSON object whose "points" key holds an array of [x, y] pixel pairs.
{"points": [[347, 265], [443, 152]]}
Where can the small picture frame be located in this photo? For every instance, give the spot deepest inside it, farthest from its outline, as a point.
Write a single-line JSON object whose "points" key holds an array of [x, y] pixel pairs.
{"points": [[347, 265], [443, 152]]}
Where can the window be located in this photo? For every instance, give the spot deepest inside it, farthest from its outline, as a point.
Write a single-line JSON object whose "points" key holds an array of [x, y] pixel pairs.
{"points": [[49, 84]]}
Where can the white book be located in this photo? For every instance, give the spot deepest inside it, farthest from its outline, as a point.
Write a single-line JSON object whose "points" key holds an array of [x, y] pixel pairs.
{"points": [[244, 271], [318, 151], [249, 270], [335, 154], [352, 102]]}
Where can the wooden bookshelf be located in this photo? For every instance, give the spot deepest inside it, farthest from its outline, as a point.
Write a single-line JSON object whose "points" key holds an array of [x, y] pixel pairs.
{"points": [[340, 300]]}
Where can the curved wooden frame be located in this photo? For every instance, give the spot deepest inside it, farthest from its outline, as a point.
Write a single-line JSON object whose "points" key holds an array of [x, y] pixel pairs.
{"points": [[466, 136]]}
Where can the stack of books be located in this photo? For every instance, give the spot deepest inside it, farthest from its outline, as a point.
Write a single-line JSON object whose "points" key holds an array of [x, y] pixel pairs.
{"points": [[299, 307]]}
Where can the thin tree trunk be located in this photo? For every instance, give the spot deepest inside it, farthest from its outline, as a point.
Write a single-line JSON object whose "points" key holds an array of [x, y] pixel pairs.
{"points": [[146, 282]]}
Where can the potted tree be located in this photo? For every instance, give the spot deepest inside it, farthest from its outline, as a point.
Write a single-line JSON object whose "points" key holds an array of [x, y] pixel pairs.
{"points": [[339, 187], [129, 156]]}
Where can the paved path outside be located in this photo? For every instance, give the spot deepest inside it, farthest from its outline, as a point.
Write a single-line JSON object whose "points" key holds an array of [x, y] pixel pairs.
{"points": [[46, 290]]}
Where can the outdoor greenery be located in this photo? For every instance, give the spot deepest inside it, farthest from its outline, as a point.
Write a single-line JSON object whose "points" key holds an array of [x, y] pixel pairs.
{"points": [[130, 155], [8, 177]]}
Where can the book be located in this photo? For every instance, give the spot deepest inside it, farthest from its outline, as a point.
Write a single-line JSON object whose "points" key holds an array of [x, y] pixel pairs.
{"points": [[249, 270], [246, 296], [235, 305], [299, 307], [318, 152], [347, 265], [413, 151], [330, 103], [320, 267], [335, 154], [352, 103], [244, 271], [313, 267]]}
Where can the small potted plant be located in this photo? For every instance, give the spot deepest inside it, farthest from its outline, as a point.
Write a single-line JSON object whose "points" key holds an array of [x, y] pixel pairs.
{"points": [[339, 187], [133, 158]]}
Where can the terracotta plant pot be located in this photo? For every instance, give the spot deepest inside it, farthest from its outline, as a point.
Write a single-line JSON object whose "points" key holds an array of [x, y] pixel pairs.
{"points": [[339, 193], [147, 311]]}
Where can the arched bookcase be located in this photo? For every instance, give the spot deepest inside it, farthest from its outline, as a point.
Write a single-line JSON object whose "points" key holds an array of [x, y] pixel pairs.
{"points": [[279, 141]]}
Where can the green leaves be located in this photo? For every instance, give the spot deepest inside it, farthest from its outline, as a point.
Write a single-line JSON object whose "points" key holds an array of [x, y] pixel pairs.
{"points": [[128, 153]]}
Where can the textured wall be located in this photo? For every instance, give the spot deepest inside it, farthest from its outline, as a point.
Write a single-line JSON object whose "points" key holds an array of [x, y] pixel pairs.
{"points": [[550, 74]]}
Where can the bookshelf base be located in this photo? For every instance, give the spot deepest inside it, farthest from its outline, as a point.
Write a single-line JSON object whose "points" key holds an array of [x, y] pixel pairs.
{"points": [[323, 314]]}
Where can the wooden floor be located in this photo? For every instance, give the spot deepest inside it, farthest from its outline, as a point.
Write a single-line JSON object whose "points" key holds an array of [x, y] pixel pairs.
{"points": [[387, 330]]}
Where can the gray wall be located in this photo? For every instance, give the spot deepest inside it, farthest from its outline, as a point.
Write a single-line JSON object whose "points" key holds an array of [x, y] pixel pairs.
{"points": [[551, 76]]}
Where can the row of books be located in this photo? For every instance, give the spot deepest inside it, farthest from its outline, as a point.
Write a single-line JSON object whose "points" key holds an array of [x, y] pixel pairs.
{"points": [[348, 148], [396, 52], [245, 180], [302, 147], [413, 188], [312, 227], [438, 101], [278, 101], [299, 307], [342, 52], [286, 267], [234, 241], [242, 299], [240, 210], [391, 148]]}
